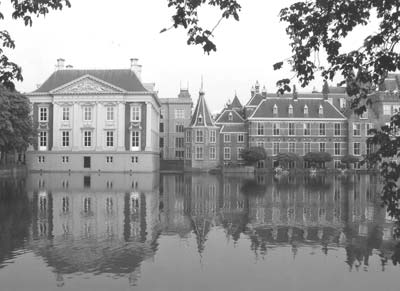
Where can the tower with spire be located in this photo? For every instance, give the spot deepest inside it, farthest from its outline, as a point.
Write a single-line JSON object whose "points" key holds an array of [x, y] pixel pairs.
{"points": [[201, 137]]}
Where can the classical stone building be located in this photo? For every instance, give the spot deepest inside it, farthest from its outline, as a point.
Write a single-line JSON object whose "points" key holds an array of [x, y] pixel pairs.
{"points": [[95, 120]]}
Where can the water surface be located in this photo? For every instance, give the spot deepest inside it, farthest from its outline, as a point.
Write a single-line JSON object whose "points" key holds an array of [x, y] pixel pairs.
{"points": [[195, 232]]}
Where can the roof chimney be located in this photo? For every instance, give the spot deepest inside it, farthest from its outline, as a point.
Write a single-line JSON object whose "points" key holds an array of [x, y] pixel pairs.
{"points": [[60, 64], [136, 68], [295, 95], [257, 87], [69, 67], [264, 92]]}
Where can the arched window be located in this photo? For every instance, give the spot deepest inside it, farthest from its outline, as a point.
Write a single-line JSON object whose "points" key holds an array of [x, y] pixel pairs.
{"points": [[200, 118], [230, 116], [275, 109], [305, 109], [321, 110]]}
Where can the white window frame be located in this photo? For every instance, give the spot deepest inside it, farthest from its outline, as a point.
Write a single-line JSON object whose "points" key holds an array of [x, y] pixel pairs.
{"points": [[179, 113], [294, 129], [359, 148], [136, 113], [199, 137], [199, 153], [340, 129], [240, 138], [293, 146], [239, 153], [110, 111], [65, 138], [227, 137], [109, 138], [322, 129], [213, 136], [87, 113], [109, 159], [87, 138], [307, 147], [227, 153], [188, 136], [43, 141], [335, 148], [212, 153], [274, 153], [387, 109], [275, 129], [135, 140], [307, 126], [368, 126], [66, 113], [322, 145], [43, 113], [355, 125], [260, 128]]}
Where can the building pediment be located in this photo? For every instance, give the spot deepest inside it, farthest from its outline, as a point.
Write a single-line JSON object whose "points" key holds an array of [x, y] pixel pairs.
{"points": [[87, 85]]}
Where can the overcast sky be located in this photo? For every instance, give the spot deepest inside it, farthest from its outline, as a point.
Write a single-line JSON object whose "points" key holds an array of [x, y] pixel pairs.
{"points": [[106, 34]]}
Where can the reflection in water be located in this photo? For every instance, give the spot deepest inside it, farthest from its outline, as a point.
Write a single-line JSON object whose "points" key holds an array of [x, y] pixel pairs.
{"points": [[113, 223]]}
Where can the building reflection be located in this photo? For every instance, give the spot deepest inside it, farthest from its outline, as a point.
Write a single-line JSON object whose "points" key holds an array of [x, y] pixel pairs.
{"points": [[111, 223]]}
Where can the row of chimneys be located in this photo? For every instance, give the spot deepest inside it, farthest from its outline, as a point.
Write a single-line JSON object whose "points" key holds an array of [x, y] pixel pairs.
{"points": [[135, 67]]}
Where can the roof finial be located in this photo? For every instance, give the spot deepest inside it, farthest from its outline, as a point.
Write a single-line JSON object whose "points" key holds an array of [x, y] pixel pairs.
{"points": [[201, 86]]}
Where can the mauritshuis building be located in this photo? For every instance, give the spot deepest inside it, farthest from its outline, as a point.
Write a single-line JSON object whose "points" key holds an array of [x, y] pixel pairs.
{"points": [[109, 120]]}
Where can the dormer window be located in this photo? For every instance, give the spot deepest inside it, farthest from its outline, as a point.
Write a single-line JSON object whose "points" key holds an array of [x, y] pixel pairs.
{"points": [[200, 118], [275, 109], [321, 110], [230, 116], [305, 110], [290, 109]]}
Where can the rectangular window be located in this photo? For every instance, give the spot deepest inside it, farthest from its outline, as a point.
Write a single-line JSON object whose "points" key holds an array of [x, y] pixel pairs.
{"points": [[356, 148], [240, 138], [188, 153], [161, 142], [364, 115], [337, 129], [43, 114], [322, 129], [135, 140], [161, 127], [87, 113], [292, 147], [368, 126], [43, 139], [337, 149], [356, 129], [110, 113], [337, 164], [135, 159], [307, 128], [87, 138], [109, 159], [135, 113], [65, 138], [291, 128], [227, 153], [65, 159], [188, 137], [322, 147], [41, 159], [179, 113], [213, 153], [275, 148], [199, 152], [387, 110], [307, 147], [179, 128], [179, 154], [199, 135], [260, 128], [213, 136], [179, 142], [227, 137], [109, 138], [65, 113], [239, 153], [276, 129]]}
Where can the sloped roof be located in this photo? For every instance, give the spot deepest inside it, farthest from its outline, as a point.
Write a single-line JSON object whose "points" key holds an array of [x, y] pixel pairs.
{"points": [[203, 111], [124, 79], [227, 128], [236, 103], [255, 100], [224, 116], [265, 109]]}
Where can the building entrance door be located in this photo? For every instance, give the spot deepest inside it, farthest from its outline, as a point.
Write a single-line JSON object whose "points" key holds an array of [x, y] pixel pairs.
{"points": [[86, 162]]}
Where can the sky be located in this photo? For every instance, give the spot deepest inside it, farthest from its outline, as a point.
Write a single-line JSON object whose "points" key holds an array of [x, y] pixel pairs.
{"points": [[98, 34]]}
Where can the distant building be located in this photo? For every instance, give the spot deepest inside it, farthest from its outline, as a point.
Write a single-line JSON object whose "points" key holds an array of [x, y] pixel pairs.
{"points": [[95, 120], [175, 116]]}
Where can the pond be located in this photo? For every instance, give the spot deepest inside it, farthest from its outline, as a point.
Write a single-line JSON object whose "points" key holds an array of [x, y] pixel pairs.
{"points": [[195, 232]]}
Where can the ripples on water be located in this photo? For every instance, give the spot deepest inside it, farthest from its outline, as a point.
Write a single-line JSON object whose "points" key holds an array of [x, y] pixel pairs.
{"points": [[194, 232]]}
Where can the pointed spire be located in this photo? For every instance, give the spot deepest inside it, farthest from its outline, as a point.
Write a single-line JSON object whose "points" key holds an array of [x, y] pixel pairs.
{"points": [[236, 103], [201, 86], [201, 115]]}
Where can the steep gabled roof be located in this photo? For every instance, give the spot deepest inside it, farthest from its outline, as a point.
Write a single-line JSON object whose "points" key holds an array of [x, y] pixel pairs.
{"points": [[124, 79], [224, 116], [265, 109], [201, 115], [236, 103]]}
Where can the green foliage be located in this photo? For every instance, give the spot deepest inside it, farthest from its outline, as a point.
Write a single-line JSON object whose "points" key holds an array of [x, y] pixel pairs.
{"points": [[25, 10], [254, 154], [16, 125], [287, 157], [317, 157], [349, 159]]}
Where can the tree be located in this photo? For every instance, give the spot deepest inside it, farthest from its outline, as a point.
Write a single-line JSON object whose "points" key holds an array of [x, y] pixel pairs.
{"points": [[254, 154], [317, 26], [318, 158], [349, 159], [25, 10], [16, 125], [287, 158]]}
